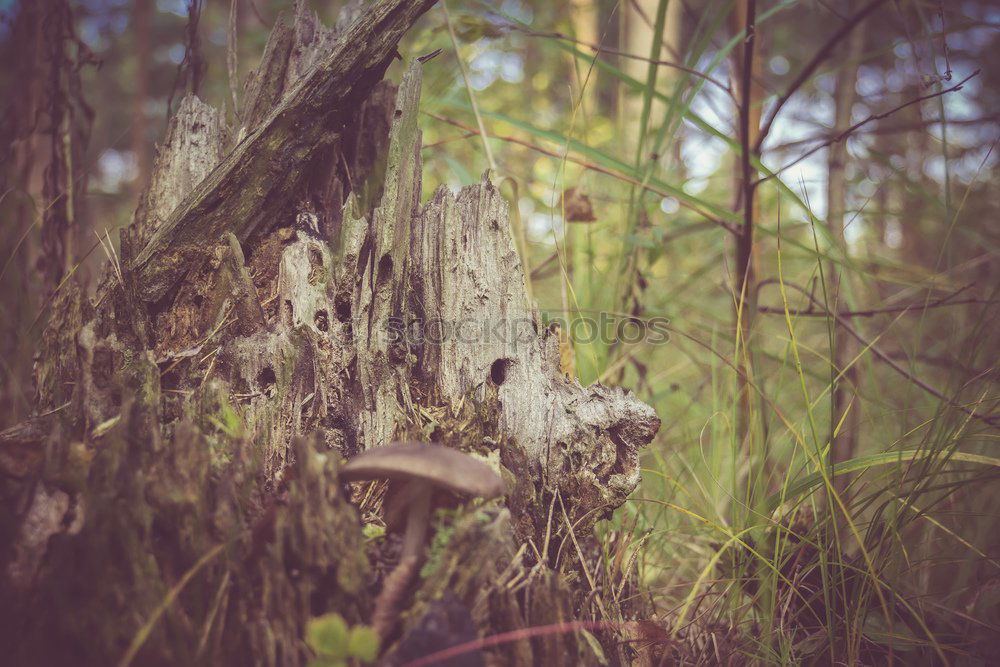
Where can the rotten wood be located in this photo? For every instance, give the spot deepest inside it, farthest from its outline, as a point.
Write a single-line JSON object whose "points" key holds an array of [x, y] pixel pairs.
{"points": [[265, 332], [259, 180]]}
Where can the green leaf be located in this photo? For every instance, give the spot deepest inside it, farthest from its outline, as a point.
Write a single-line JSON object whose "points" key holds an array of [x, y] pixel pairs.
{"points": [[373, 531], [327, 635], [363, 643]]}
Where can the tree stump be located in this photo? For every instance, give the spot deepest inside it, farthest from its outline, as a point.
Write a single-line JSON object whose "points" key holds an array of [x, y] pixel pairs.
{"points": [[284, 301]]}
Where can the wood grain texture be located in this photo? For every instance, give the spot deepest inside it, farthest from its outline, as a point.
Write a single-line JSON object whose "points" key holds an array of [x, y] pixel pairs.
{"points": [[257, 182]]}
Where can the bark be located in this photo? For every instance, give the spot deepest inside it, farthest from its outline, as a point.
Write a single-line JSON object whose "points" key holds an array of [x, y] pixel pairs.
{"points": [[22, 170], [184, 507], [68, 129], [143, 46], [747, 75]]}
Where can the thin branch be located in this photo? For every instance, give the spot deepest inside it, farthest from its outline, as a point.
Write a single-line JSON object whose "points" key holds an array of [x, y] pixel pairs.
{"points": [[949, 363], [888, 129], [809, 312], [846, 324], [940, 303], [600, 49], [729, 227], [441, 142], [879, 116], [822, 54]]}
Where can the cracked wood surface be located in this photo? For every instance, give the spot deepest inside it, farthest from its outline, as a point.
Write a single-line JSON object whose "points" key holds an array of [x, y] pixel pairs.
{"points": [[258, 180], [454, 261], [220, 413]]}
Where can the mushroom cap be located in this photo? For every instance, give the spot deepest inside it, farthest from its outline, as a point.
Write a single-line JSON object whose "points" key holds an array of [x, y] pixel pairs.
{"points": [[438, 466]]}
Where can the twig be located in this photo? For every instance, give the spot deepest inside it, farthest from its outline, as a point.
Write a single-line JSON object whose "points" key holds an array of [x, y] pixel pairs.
{"points": [[729, 227], [504, 637], [889, 129], [845, 323], [822, 54], [809, 312], [600, 49], [947, 300], [441, 142], [944, 44], [879, 116]]}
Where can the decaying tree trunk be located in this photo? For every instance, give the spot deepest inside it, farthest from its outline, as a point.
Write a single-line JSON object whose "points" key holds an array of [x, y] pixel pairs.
{"points": [[176, 499]]}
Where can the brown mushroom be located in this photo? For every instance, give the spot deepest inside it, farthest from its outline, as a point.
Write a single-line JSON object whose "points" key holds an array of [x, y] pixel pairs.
{"points": [[422, 468]]}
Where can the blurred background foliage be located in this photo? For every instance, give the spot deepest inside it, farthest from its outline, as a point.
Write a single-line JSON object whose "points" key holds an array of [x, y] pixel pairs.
{"points": [[856, 327]]}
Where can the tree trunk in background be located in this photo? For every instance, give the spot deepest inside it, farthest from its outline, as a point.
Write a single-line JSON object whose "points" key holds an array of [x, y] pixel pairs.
{"points": [[183, 506], [141, 20], [747, 75], [642, 116], [639, 23], [21, 188], [845, 415], [66, 121], [42, 136]]}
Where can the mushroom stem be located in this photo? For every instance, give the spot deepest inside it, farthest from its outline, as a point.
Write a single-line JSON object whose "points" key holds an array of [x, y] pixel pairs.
{"points": [[417, 519], [424, 468], [390, 598], [394, 587]]}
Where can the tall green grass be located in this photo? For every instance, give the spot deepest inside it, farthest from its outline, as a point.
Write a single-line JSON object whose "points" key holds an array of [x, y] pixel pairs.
{"points": [[748, 543]]}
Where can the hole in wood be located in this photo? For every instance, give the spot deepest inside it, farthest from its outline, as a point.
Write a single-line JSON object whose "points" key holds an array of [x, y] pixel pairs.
{"points": [[102, 368], [343, 309], [384, 269], [265, 378], [498, 371], [315, 258], [322, 320], [623, 458]]}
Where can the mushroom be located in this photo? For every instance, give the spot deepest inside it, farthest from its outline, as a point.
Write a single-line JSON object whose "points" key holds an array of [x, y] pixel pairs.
{"points": [[421, 469]]}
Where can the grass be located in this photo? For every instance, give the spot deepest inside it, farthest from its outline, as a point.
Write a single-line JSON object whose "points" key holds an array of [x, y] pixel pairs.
{"points": [[755, 546]]}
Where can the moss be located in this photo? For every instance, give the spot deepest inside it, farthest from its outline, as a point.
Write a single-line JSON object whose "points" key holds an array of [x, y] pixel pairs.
{"points": [[140, 376], [154, 513]]}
